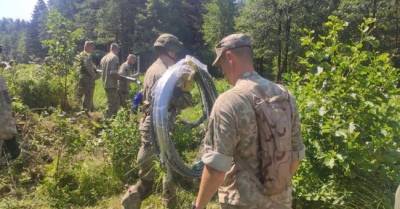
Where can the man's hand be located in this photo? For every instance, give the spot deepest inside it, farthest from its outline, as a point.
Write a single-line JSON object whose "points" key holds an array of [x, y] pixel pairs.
{"points": [[136, 75], [210, 181], [186, 81]]}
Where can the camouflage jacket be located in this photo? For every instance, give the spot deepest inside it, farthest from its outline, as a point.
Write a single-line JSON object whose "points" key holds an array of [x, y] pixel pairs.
{"points": [[7, 122], [231, 142], [109, 65], [125, 70], [85, 65]]}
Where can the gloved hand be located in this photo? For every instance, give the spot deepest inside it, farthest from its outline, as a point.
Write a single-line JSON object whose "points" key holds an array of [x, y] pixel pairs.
{"points": [[98, 73], [187, 80]]}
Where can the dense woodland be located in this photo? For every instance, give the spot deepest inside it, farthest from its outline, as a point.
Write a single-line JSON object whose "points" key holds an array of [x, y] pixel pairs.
{"points": [[275, 25], [339, 58]]}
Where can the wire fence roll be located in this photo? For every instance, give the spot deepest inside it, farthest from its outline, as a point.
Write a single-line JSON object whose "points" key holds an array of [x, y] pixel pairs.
{"points": [[162, 95]]}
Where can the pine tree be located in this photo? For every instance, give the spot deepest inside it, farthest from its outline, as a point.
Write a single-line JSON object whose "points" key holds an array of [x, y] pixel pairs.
{"points": [[37, 31], [117, 22], [193, 11], [86, 17], [12, 38], [276, 27], [218, 20], [386, 28], [67, 8]]}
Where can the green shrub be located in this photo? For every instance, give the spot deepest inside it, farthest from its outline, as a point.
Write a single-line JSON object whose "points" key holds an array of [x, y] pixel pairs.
{"points": [[80, 184], [350, 113], [33, 86], [122, 142], [222, 85]]}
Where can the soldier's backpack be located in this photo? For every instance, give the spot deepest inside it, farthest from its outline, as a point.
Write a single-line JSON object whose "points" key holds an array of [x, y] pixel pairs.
{"points": [[274, 122]]}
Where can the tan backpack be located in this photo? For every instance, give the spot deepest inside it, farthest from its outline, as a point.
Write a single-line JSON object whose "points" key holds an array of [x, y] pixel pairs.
{"points": [[274, 121]]}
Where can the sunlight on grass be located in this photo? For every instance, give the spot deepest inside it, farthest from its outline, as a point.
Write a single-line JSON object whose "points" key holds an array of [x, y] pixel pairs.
{"points": [[99, 98]]}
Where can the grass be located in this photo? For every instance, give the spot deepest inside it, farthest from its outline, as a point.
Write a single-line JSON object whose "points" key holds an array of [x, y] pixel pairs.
{"points": [[99, 97], [30, 182]]}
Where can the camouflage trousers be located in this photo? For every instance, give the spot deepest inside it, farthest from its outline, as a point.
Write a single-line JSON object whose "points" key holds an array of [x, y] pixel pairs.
{"points": [[123, 97], [86, 90], [9, 150], [113, 102], [147, 173], [279, 201]]}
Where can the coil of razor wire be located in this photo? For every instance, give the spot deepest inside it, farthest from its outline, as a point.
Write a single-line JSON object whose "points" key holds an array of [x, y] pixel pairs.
{"points": [[162, 96]]}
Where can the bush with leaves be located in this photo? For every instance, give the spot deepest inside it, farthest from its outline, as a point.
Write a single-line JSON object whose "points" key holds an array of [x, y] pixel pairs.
{"points": [[350, 111], [81, 183], [122, 142], [32, 85], [61, 52]]}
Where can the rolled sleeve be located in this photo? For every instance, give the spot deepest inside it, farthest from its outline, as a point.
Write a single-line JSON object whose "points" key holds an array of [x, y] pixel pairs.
{"points": [[298, 148], [217, 161], [221, 137], [299, 155]]}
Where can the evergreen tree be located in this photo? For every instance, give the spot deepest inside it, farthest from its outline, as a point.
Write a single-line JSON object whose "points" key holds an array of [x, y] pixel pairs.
{"points": [[37, 31], [67, 8], [86, 17], [136, 24], [218, 20], [12, 38], [117, 23], [276, 27], [266, 21], [183, 18], [386, 28], [193, 11]]}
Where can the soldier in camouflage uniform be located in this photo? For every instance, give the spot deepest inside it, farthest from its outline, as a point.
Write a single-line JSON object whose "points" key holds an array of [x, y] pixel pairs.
{"points": [[232, 150], [109, 65], [126, 69], [7, 122], [87, 76], [167, 47], [8, 129]]}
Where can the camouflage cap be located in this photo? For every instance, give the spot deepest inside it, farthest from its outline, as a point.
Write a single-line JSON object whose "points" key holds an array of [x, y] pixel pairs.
{"points": [[232, 41], [168, 41]]}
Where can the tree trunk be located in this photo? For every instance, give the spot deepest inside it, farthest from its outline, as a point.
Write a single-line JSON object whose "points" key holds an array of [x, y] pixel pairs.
{"points": [[279, 73], [283, 68], [397, 39], [287, 41], [397, 35]]}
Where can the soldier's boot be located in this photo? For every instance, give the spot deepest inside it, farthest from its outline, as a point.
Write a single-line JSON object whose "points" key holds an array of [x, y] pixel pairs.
{"points": [[136, 194], [11, 147], [131, 199], [169, 191], [169, 199]]}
